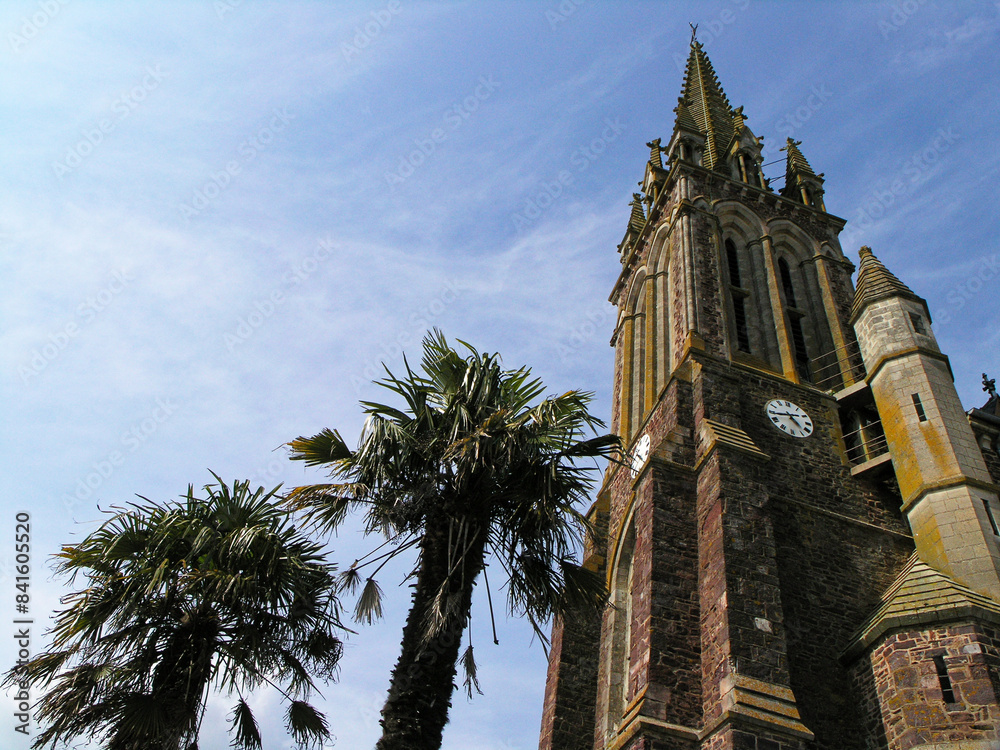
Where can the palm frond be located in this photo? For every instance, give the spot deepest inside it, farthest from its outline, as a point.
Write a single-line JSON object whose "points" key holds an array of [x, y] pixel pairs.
{"points": [[305, 723], [323, 448], [471, 682], [244, 728], [369, 605]]}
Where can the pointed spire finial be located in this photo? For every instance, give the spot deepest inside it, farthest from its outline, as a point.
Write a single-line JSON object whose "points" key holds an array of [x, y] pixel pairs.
{"points": [[694, 33]]}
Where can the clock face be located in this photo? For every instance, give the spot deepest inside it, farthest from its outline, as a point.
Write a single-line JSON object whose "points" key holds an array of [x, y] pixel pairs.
{"points": [[789, 418], [639, 454]]}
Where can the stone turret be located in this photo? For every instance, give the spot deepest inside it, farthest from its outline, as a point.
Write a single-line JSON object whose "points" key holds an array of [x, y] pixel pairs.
{"points": [[948, 495]]}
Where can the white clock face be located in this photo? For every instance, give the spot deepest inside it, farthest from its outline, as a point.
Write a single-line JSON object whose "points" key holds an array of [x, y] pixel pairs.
{"points": [[639, 454], [789, 418]]}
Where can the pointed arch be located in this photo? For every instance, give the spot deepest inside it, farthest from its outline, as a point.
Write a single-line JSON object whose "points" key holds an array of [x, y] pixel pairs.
{"points": [[622, 614], [806, 320], [745, 284]]}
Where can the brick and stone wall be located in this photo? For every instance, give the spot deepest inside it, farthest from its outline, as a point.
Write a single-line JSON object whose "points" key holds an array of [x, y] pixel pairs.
{"points": [[914, 711]]}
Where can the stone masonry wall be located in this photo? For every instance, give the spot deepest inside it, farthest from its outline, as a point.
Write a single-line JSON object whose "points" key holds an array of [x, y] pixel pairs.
{"points": [[914, 709]]}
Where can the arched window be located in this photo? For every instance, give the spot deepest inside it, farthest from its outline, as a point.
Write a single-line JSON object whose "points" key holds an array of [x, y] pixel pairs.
{"points": [[621, 644], [738, 294], [795, 316]]}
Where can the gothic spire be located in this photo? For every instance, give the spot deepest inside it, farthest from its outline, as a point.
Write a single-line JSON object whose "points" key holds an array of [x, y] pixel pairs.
{"points": [[638, 218], [802, 184], [704, 105], [654, 153], [876, 282], [796, 162]]}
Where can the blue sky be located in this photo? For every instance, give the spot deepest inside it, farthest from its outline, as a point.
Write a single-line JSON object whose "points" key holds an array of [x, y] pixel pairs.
{"points": [[218, 218]]}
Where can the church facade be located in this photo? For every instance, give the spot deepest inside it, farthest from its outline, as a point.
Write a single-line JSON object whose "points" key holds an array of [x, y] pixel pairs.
{"points": [[802, 544]]}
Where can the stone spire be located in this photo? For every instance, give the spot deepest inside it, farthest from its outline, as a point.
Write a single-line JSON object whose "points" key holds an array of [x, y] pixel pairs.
{"points": [[638, 218], [704, 108], [876, 282], [654, 153], [801, 182]]}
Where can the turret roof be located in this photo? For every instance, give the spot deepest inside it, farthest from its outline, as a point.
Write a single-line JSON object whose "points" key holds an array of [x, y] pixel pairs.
{"points": [[919, 597], [875, 282]]}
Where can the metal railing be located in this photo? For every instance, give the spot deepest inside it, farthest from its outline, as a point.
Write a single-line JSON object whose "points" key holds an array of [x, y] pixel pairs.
{"points": [[828, 377], [866, 443]]}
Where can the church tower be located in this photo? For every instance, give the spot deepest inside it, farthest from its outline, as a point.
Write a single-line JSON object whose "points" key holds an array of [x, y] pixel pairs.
{"points": [[801, 542]]}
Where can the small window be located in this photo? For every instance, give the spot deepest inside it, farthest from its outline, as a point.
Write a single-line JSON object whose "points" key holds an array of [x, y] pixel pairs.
{"points": [[919, 407], [918, 324], [947, 694], [989, 516]]}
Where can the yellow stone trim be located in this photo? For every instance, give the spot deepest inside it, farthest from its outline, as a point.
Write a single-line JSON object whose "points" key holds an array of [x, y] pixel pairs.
{"points": [[833, 319], [649, 725], [778, 311], [652, 350], [734, 437]]}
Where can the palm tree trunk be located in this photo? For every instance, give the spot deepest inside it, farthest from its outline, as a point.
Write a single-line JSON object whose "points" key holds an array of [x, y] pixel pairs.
{"points": [[416, 709]]}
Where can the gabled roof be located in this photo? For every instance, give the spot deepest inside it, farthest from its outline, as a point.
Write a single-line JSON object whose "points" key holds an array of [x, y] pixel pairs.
{"points": [[920, 597], [875, 282]]}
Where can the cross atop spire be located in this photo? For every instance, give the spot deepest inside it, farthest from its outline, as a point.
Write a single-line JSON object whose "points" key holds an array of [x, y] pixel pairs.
{"points": [[704, 104]]}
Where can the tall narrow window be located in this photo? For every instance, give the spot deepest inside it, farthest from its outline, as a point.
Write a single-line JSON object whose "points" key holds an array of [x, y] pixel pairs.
{"points": [[947, 693], [734, 264], [786, 283], [738, 296], [621, 642], [918, 324], [799, 349], [919, 407]]}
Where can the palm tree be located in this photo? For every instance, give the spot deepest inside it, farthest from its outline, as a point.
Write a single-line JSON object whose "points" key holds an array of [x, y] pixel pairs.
{"points": [[210, 591], [470, 468]]}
